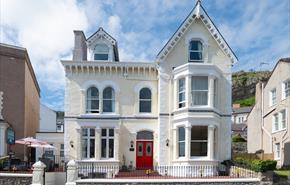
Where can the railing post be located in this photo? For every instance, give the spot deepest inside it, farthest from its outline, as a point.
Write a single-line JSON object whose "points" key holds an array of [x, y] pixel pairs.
{"points": [[72, 173], [37, 174]]}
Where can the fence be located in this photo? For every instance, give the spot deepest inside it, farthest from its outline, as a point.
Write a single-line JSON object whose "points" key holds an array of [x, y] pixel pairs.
{"points": [[239, 172], [97, 170]]}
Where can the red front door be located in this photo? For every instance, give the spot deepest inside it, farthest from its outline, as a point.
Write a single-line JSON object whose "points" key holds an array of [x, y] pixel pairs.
{"points": [[144, 155]]}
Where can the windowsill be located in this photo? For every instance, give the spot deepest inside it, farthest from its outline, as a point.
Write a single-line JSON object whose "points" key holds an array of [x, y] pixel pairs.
{"points": [[100, 160], [144, 114], [277, 131], [277, 159], [183, 159], [91, 115]]}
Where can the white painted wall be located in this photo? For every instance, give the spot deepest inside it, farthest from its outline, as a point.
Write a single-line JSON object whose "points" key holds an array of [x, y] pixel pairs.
{"points": [[47, 119]]}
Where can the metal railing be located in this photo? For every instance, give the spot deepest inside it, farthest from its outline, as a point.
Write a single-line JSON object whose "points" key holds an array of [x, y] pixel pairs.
{"points": [[97, 170], [239, 172]]}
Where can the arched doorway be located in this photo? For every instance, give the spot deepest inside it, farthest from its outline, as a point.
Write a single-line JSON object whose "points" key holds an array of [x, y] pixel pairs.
{"points": [[144, 150]]}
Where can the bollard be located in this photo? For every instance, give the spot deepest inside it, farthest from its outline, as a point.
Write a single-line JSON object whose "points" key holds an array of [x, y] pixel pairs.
{"points": [[37, 174], [72, 174]]}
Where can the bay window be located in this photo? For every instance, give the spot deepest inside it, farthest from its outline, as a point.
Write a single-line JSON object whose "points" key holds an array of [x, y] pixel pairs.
{"points": [[181, 142], [199, 90], [181, 93], [88, 143], [107, 143]]}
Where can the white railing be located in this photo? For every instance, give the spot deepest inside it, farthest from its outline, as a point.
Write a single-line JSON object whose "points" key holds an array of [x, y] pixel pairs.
{"points": [[239, 172], [97, 170], [188, 171]]}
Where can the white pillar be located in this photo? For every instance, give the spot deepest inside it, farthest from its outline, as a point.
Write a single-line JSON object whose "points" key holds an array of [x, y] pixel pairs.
{"points": [[211, 91], [37, 174], [174, 144], [188, 91], [98, 143], [77, 145], [210, 144], [1, 105], [72, 173], [116, 143], [83, 102], [187, 142], [3, 145]]}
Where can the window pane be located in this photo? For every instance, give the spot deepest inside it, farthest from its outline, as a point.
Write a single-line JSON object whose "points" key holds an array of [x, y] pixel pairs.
{"points": [[92, 148], [111, 148], [140, 149], [104, 132], [84, 132], [84, 148], [145, 93], [198, 148], [108, 93], [181, 149], [149, 149], [111, 132], [92, 132], [102, 48], [181, 97], [107, 106], [99, 56], [194, 55], [195, 45], [199, 83], [181, 84], [61, 146], [199, 133], [181, 134], [199, 97], [145, 106], [103, 149]]}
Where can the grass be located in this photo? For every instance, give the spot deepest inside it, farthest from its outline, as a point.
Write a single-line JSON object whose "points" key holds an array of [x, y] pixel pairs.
{"points": [[283, 173], [246, 102]]}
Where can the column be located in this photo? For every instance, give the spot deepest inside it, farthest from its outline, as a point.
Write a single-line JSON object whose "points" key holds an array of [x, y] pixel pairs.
{"points": [[77, 146], [211, 90], [210, 140], [116, 143], [175, 94], [188, 91], [98, 143], [174, 144], [83, 102], [187, 142], [100, 100]]}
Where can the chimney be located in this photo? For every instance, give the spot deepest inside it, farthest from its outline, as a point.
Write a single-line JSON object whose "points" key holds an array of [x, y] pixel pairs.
{"points": [[258, 95], [80, 48], [236, 105]]}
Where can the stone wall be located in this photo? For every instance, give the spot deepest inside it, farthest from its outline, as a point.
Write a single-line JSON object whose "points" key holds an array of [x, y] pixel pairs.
{"points": [[15, 180], [174, 183]]}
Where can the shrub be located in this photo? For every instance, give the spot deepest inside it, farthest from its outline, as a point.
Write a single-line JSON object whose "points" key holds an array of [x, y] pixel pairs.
{"points": [[238, 139], [256, 164]]}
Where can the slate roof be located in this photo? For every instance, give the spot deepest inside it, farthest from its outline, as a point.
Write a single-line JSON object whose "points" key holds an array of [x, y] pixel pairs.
{"points": [[239, 127], [242, 110]]}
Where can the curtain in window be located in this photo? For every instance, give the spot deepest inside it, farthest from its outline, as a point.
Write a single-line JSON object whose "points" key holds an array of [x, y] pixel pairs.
{"points": [[101, 52], [145, 100], [199, 90], [108, 100], [92, 100]]}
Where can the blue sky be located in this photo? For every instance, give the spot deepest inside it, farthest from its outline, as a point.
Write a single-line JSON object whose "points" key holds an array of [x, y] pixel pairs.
{"points": [[257, 31]]}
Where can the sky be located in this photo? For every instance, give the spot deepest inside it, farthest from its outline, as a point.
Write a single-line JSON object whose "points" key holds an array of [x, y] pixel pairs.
{"points": [[257, 31]]}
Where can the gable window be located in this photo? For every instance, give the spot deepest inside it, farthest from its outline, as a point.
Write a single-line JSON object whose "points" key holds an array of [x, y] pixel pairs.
{"points": [[181, 93], [88, 143], [273, 97], [108, 100], [199, 90], [92, 100], [181, 142], [107, 150], [287, 89], [145, 100], [198, 145], [277, 151], [101, 52], [195, 51]]}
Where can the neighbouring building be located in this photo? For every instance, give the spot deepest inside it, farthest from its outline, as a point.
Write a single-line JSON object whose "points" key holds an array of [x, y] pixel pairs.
{"points": [[49, 132], [20, 95], [240, 114], [175, 110], [268, 122]]}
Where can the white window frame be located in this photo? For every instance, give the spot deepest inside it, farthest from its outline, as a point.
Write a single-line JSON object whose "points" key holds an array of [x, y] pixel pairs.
{"points": [[89, 110], [273, 97], [199, 90], [101, 52], [113, 99], [198, 51], [277, 151], [199, 141], [107, 138], [145, 100], [181, 141], [286, 89], [88, 138], [275, 122], [61, 150], [181, 104], [283, 121]]}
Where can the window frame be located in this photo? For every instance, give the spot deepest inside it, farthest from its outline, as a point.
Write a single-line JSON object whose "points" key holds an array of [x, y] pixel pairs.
{"points": [[277, 151], [283, 120], [273, 97], [181, 142], [199, 90], [95, 52], [88, 137], [145, 100], [113, 100], [107, 138], [181, 104], [196, 51], [199, 141], [97, 98], [275, 122], [286, 89]]}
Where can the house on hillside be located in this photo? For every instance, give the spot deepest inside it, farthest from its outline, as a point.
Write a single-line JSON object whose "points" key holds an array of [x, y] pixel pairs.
{"points": [[268, 122], [175, 110]]}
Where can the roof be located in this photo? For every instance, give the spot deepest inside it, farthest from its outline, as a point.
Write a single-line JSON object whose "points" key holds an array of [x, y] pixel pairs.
{"points": [[198, 12], [101, 33], [239, 127], [242, 110]]}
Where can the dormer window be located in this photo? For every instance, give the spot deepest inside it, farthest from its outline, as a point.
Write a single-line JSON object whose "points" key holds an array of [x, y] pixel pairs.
{"points": [[195, 51], [101, 52]]}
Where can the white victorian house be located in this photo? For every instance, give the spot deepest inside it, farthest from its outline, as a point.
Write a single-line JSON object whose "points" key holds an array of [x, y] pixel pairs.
{"points": [[173, 111]]}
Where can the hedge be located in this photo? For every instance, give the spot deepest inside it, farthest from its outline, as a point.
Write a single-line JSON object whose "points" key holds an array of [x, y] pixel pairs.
{"points": [[238, 139], [256, 164]]}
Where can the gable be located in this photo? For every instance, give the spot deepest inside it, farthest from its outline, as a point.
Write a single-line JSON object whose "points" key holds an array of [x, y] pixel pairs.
{"points": [[198, 13]]}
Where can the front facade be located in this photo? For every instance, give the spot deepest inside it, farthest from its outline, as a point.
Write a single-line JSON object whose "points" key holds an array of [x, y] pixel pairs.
{"points": [[173, 111], [268, 122], [20, 95]]}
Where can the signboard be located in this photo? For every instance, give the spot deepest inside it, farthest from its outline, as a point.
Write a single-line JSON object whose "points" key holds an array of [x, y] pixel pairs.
{"points": [[10, 136]]}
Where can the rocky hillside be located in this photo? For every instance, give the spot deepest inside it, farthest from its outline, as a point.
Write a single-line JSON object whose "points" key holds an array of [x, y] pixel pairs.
{"points": [[244, 84]]}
